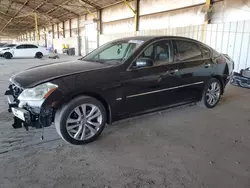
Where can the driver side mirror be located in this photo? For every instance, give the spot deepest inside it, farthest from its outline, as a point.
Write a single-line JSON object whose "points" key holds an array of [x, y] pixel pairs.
{"points": [[144, 62]]}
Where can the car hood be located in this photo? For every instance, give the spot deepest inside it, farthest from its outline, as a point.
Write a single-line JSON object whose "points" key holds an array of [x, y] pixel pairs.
{"points": [[43, 73], [1, 48]]}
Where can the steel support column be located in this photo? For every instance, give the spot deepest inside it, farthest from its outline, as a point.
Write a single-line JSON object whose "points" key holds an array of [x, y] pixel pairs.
{"points": [[36, 27], [78, 36], [70, 29], [63, 27], [57, 28], [134, 12], [53, 32], [207, 18], [137, 16], [45, 36], [100, 22]]}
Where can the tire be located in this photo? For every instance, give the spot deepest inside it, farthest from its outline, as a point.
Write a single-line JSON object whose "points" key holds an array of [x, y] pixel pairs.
{"points": [[208, 94], [8, 55], [39, 55], [86, 129]]}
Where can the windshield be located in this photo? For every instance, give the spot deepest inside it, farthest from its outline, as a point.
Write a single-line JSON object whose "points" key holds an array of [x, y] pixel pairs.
{"points": [[9, 45], [114, 52]]}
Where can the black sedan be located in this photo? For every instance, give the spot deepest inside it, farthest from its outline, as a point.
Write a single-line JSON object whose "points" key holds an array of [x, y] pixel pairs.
{"points": [[123, 78]]}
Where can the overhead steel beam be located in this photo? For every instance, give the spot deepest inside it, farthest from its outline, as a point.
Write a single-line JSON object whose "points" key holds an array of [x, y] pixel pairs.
{"points": [[91, 4], [1, 5], [3, 13], [63, 14], [17, 12], [4, 19], [42, 13], [61, 7], [129, 6], [36, 10], [9, 6], [91, 13], [134, 12]]}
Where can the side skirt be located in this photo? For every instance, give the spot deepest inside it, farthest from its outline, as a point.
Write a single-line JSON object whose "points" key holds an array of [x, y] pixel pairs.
{"points": [[156, 109]]}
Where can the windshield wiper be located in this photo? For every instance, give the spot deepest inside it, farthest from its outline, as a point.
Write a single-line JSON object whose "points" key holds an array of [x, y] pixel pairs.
{"points": [[112, 62]]}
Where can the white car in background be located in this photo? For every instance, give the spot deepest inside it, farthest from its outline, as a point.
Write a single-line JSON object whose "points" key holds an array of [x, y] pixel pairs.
{"points": [[24, 51]]}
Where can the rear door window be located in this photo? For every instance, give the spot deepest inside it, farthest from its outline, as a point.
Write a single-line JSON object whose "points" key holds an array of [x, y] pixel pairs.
{"points": [[187, 51], [31, 46], [21, 47]]}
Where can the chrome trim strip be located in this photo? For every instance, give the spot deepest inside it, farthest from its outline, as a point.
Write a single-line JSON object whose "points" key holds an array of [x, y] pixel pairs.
{"points": [[157, 91]]}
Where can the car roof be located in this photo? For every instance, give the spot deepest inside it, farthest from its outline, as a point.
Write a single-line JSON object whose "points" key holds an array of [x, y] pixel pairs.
{"points": [[147, 38], [28, 44]]}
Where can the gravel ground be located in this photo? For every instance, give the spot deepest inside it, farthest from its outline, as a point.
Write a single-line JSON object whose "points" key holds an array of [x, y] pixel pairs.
{"points": [[182, 147]]}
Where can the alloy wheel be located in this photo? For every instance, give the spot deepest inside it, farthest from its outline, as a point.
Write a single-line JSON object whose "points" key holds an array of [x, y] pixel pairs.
{"points": [[213, 93], [84, 122]]}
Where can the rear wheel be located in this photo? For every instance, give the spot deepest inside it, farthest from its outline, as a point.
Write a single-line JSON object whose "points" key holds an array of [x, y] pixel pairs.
{"points": [[211, 94], [39, 55], [81, 121], [8, 55]]}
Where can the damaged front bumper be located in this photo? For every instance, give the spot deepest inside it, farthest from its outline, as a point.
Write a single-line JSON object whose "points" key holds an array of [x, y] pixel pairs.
{"points": [[27, 113]]}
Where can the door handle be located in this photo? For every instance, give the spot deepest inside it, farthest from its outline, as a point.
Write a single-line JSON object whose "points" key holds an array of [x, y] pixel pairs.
{"points": [[171, 72], [207, 65]]}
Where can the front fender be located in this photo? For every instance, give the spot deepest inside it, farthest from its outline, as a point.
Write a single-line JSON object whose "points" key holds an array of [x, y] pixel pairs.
{"points": [[53, 100]]}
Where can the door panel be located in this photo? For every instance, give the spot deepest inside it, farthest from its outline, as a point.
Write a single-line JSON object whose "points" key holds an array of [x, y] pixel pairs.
{"points": [[194, 70], [150, 88], [31, 50], [195, 75], [19, 51]]}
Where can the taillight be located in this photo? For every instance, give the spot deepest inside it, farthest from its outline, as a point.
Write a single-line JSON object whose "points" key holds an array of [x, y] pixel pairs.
{"points": [[220, 60]]}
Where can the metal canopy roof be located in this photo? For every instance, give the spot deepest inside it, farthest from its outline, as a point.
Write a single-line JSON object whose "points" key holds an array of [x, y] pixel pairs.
{"points": [[16, 15]]}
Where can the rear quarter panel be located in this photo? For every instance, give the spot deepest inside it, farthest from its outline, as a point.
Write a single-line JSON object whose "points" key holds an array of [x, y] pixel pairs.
{"points": [[43, 50]]}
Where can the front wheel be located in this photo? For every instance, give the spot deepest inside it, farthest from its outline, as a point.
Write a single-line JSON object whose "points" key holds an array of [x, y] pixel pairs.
{"points": [[81, 121], [8, 55], [211, 94]]}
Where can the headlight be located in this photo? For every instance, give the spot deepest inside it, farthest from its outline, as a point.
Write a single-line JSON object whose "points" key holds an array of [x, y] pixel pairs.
{"points": [[39, 92]]}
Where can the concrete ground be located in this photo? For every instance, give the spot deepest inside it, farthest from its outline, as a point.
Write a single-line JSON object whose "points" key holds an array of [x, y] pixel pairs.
{"points": [[189, 147]]}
